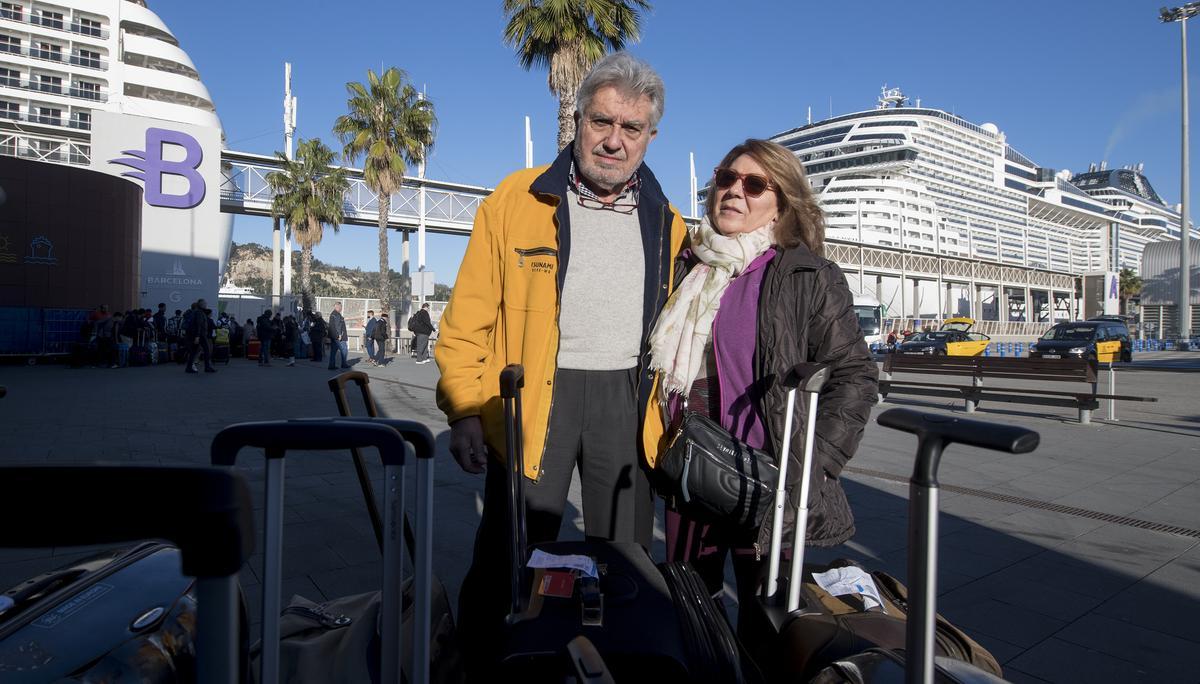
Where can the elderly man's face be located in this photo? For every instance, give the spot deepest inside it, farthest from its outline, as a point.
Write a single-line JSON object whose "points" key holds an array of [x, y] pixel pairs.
{"points": [[612, 136]]}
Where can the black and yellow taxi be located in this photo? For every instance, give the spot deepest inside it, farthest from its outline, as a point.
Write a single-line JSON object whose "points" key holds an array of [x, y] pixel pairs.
{"points": [[1103, 340], [954, 339]]}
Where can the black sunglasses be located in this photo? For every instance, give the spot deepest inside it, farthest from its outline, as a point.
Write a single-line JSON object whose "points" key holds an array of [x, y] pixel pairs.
{"points": [[752, 183]]}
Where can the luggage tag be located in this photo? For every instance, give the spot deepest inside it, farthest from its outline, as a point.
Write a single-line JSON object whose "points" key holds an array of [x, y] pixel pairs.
{"points": [[560, 583]]}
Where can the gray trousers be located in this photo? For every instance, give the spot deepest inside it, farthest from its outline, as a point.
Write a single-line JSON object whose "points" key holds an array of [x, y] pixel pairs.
{"points": [[421, 346], [593, 426]]}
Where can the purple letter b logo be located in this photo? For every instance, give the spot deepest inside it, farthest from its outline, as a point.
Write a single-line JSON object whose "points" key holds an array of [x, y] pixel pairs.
{"points": [[151, 167]]}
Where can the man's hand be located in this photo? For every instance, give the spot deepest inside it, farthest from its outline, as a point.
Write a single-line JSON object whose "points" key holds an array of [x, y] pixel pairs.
{"points": [[466, 444]]}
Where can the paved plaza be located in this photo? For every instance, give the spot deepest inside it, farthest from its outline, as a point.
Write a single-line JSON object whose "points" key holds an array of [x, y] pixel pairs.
{"points": [[1079, 562]]}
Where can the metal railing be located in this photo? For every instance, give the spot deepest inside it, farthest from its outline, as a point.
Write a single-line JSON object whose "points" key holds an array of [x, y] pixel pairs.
{"points": [[57, 23], [448, 207], [44, 120], [94, 94], [40, 148]]}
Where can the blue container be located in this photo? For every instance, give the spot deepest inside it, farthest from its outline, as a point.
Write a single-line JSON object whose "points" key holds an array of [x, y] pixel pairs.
{"points": [[1020, 349]]}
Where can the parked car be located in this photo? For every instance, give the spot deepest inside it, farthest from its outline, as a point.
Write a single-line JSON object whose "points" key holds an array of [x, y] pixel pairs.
{"points": [[954, 339], [1103, 340]]}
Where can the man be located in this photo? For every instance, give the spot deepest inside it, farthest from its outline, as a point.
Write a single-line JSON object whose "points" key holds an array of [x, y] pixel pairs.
{"points": [[421, 326], [565, 271], [160, 322], [200, 329], [369, 336], [266, 335], [338, 338], [382, 332]]}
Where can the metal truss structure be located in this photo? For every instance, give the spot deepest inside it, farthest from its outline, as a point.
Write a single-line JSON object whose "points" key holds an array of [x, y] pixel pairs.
{"points": [[438, 206]]}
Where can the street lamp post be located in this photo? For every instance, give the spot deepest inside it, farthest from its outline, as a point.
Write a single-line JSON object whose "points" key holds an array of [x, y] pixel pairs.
{"points": [[1181, 15]]}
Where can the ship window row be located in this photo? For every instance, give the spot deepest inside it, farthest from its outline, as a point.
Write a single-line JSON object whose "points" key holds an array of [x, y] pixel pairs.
{"points": [[58, 18], [1027, 175], [165, 95], [968, 209], [865, 160], [911, 111], [877, 136], [46, 114], [52, 83], [145, 31], [828, 133], [1083, 205], [954, 150], [945, 163], [962, 138], [52, 52], [986, 193], [880, 124], [160, 64]]}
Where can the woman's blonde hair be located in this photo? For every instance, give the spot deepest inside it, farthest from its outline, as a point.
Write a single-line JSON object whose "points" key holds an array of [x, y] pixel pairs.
{"points": [[800, 219]]}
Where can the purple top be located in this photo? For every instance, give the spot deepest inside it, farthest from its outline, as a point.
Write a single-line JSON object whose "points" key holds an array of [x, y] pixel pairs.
{"points": [[735, 336]]}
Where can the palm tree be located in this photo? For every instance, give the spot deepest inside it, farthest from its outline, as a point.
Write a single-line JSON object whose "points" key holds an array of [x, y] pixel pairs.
{"points": [[569, 37], [391, 124], [1131, 286], [309, 195]]}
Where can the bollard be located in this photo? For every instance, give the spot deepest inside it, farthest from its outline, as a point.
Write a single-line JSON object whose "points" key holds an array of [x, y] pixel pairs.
{"points": [[1020, 349], [1112, 389], [1000, 349], [987, 351]]}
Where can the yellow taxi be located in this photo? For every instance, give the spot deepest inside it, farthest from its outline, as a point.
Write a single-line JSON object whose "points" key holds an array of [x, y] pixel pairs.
{"points": [[954, 339]]}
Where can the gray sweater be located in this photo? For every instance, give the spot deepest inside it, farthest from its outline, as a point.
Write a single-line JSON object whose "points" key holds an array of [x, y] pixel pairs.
{"points": [[600, 322]]}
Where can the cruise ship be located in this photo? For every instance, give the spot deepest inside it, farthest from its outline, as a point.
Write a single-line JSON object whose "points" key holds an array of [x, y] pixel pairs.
{"points": [[936, 216], [61, 61]]}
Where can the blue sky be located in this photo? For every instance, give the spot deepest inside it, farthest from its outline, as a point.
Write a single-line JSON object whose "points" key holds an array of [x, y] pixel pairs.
{"points": [[1068, 82]]}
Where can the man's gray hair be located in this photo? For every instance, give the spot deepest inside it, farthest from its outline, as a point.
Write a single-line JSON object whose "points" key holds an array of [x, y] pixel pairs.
{"points": [[627, 74]]}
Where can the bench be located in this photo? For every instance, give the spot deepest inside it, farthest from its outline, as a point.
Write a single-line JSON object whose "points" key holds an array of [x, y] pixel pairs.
{"points": [[978, 368]]}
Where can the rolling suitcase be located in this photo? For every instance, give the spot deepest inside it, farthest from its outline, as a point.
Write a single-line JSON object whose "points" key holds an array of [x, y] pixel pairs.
{"points": [[918, 663], [797, 626], [353, 648], [646, 623], [155, 612]]}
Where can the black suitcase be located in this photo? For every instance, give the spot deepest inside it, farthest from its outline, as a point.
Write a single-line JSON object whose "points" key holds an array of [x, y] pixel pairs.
{"points": [[133, 605], [646, 623], [796, 627], [132, 614], [386, 647], [918, 663]]}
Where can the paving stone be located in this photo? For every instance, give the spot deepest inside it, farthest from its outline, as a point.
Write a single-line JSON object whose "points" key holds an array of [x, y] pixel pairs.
{"points": [[1058, 661], [1165, 601], [1016, 625], [1151, 649]]}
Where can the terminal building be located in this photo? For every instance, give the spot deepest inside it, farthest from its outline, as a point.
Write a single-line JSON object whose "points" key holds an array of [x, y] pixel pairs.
{"points": [[936, 216], [105, 86]]}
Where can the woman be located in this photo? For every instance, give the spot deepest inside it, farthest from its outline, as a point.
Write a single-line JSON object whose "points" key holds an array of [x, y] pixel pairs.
{"points": [[758, 298]]}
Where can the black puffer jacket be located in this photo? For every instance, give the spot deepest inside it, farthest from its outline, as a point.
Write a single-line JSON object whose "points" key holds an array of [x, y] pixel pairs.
{"points": [[805, 314]]}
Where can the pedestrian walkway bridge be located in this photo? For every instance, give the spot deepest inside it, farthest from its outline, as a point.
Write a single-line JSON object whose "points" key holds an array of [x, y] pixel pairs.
{"points": [[447, 208]]}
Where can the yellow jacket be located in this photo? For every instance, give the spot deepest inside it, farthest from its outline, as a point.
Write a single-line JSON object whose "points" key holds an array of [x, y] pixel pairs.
{"points": [[505, 304]]}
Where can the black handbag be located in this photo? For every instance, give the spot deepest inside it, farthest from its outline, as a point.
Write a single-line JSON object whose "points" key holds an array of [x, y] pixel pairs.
{"points": [[715, 477]]}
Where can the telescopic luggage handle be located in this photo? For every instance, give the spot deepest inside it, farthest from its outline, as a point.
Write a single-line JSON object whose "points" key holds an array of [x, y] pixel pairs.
{"points": [[280, 436], [809, 378], [512, 379], [336, 434], [934, 432], [206, 512]]}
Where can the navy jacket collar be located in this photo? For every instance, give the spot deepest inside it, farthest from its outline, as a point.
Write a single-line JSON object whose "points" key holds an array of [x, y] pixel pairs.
{"points": [[554, 180]]}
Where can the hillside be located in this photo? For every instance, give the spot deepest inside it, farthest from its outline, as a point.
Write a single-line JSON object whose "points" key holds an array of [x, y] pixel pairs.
{"points": [[250, 266]]}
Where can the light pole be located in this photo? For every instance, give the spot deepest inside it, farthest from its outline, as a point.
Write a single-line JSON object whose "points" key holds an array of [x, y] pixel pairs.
{"points": [[1181, 15]]}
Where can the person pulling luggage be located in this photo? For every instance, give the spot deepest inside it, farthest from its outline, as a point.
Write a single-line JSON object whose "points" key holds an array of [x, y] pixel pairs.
{"points": [[759, 298]]}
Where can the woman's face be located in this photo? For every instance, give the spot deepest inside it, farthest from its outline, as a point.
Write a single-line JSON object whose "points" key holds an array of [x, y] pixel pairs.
{"points": [[738, 212]]}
